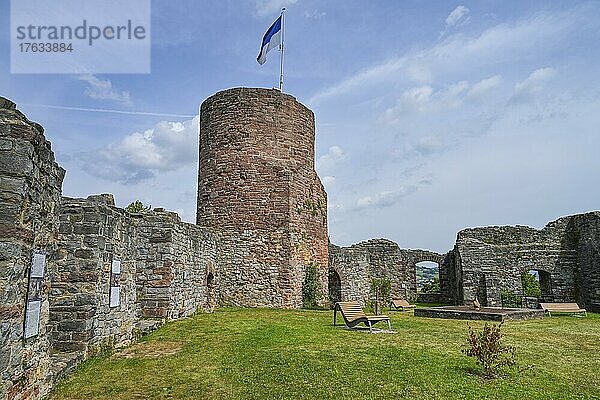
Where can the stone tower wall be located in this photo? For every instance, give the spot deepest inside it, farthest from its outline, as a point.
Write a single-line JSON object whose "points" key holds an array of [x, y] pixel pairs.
{"points": [[30, 189], [257, 184]]}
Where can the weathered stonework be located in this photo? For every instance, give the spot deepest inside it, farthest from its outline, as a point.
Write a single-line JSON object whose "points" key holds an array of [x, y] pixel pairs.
{"points": [[262, 222], [356, 265], [93, 233], [257, 184], [490, 260], [30, 188], [165, 265], [176, 264]]}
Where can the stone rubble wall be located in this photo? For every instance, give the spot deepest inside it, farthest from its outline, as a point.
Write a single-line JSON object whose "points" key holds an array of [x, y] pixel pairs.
{"points": [[309, 240], [257, 185], [352, 266], [177, 265], [588, 251], [490, 260], [164, 269], [378, 258], [30, 190], [93, 233]]}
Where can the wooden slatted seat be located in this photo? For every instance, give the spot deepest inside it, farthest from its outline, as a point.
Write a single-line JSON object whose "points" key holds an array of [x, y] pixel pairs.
{"points": [[401, 305], [353, 315], [564, 308]]}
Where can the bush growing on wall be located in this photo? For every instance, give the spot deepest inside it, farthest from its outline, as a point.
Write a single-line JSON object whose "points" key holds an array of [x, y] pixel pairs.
{"points": [[310, 287], [432, 287], [137, 206]]}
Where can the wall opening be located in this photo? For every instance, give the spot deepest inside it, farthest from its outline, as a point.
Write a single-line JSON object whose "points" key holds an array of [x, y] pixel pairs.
{"points": [[537, 284], [335, 287], [210, 292], [428, 277]]}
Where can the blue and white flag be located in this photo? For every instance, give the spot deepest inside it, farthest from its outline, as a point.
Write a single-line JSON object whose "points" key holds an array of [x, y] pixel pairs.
{"points": [[271, 40]]}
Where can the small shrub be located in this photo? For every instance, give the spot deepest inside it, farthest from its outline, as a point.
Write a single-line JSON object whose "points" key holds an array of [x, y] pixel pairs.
{"points": [[487, 350], [510, 299], [310, 288], [137, 206], [380, 293]]}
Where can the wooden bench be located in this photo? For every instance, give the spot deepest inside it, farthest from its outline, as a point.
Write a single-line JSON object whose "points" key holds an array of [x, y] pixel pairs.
{"points": [[353, 315], [400, 305], [562, 308]]}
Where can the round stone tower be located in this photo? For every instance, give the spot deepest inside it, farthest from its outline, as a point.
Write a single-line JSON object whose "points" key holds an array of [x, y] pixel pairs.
{"points": [[258, 185]]}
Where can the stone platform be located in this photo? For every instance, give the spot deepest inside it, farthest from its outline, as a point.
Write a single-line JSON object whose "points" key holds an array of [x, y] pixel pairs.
{"points": [[483, 314]]}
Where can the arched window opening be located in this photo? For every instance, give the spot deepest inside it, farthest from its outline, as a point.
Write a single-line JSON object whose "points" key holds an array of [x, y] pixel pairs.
{"points": [[428, 277]]}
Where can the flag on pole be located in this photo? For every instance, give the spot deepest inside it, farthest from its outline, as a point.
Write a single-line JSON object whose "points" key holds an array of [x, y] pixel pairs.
{"points": [[271, 40]]}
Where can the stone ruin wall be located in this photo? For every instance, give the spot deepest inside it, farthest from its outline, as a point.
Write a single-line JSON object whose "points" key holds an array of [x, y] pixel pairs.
{"points": [[587, 235], [92, 234], [257, 185], [30, 189], [380, 258], [168, 267], [490, 260], [165, 264]]}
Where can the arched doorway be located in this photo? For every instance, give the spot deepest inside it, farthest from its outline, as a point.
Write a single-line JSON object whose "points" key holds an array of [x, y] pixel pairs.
{"points": [[428, 276], [335, 287]]}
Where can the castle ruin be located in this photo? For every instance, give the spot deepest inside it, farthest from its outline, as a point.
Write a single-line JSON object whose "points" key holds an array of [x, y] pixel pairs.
{"points": [[80, 274]]}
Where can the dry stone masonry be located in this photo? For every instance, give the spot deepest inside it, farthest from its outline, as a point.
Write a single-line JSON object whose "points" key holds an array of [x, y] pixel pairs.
{"points": [[565, 253], [352, 269], [80, 274], [30, 189]]}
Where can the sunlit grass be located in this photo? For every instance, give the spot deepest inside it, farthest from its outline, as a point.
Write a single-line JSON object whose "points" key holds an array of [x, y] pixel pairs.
{"points": [[277, 354]]}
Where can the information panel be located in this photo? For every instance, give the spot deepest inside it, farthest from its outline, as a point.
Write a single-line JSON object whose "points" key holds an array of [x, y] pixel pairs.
{"points": [[115, 276], [34, 294]]}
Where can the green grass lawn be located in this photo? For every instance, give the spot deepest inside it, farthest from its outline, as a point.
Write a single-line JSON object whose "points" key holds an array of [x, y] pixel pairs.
{"points": [[280, 354]]}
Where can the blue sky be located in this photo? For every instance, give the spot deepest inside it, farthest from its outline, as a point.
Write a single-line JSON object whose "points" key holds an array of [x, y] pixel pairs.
{"points": [[431, 116]]}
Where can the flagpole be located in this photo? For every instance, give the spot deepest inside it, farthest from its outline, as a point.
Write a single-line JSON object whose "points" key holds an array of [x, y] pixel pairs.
{"points": [[281, 60]]}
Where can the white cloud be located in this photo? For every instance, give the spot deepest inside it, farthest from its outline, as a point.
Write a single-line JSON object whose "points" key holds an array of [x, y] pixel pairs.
{"points": [[458, 17], [427, 145], [484, 86], [385, 198], [326, 163], [103, 89], [424, 99], [328, 180], [315, 14], [459, 52], [266, 8], [527, 89], [139, 156]]}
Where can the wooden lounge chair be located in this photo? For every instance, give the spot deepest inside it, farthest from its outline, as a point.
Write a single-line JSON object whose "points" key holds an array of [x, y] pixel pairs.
{"points": [[354, 315], [564, 308], [400, 305]]}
